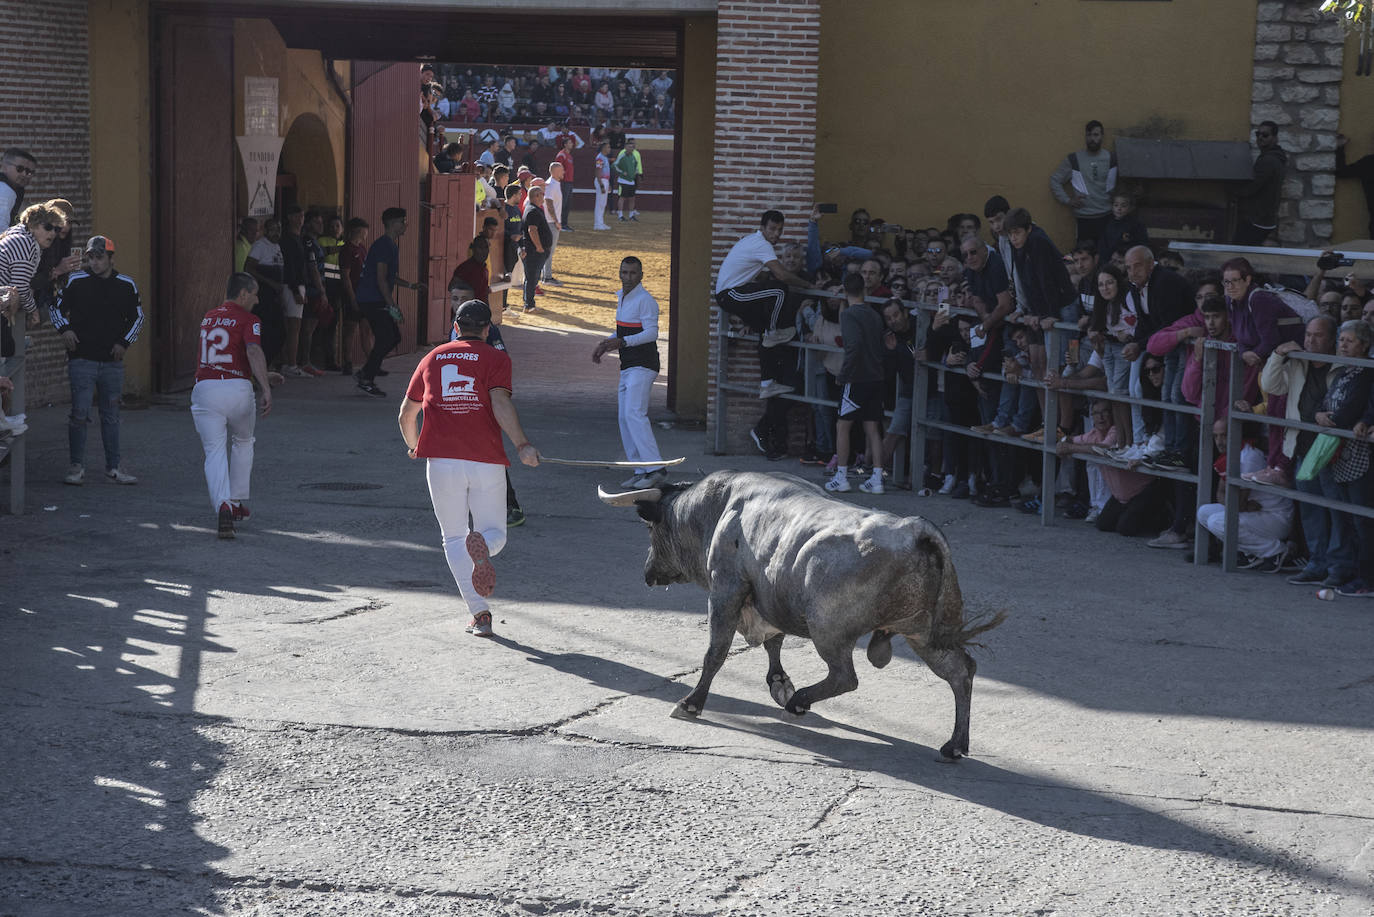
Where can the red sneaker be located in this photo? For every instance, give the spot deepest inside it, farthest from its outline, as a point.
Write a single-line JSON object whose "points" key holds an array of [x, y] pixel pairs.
{"points": [[311, 371], [241, 512], [483, 573]]}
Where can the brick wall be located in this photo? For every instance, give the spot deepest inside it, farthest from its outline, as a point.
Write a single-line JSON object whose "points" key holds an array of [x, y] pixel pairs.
{"points": [[45, 108], [766, 56]]}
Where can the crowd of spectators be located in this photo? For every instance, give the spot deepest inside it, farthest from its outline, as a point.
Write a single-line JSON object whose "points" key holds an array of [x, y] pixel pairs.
{"points": [[581, 96], [1132, 320]]}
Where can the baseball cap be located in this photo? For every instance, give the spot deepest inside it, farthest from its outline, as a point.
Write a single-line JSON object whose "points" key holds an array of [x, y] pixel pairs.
{"points": [[472, 312], [100, 244]]}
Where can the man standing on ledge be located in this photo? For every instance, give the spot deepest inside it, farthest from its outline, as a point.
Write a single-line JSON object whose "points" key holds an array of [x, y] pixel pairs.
{"points": [[463, 388], [1257, 203], [765, 306], [1091, 176], [636, 336]]}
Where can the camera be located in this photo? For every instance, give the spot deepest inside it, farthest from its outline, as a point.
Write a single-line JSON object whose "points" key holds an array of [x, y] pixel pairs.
{"points": [[1332, 260]]}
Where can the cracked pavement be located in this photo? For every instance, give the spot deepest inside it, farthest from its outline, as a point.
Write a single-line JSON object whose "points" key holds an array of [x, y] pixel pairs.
{"points": [[294, 723]]}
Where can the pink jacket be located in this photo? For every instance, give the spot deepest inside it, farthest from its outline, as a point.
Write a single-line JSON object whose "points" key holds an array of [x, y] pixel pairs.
{"points": [[1163, 342]]}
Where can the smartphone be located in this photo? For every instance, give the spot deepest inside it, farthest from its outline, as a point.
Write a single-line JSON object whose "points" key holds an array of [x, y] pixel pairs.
{"points": [[828, 208], [944, 308], [892, 227]]}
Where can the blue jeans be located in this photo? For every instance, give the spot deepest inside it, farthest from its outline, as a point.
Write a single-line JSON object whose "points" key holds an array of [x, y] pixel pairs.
{"points": [[1326, 551], [1359, 492], [95, 379], [1341, 545]]}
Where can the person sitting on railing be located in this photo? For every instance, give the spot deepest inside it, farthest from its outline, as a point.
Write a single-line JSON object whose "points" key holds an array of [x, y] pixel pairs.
{"points": [[1264, 519], [767, 306], [1304, 382], [1347, 406]]}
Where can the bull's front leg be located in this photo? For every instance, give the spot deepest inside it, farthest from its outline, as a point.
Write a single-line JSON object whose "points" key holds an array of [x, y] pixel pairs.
{"points": [[723, 616], [956, 667], [779, 685]]}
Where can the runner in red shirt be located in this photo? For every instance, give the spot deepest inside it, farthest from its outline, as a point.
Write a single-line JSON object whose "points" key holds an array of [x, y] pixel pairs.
{"points": [[222, 402], [463, 388]]}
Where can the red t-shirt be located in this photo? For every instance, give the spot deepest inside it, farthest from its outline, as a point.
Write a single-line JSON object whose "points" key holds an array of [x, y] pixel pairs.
{"points": [[566, 158], [225, 333], [453, 383]]}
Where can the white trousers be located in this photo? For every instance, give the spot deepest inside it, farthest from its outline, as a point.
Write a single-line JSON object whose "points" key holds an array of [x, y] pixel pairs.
{"points": [[1261, 534], [225, 409], [600, 213], [457, 488], [636, 433], [1098, 492]]}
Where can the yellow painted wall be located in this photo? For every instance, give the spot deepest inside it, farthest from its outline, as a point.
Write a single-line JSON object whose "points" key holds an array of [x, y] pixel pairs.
{"points": [[122, 155], [927, 109], [1357, 123], [694, 240], [304, 88]]}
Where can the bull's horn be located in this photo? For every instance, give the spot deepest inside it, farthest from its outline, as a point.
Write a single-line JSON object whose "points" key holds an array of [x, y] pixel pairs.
{"points": [[630, 497]]}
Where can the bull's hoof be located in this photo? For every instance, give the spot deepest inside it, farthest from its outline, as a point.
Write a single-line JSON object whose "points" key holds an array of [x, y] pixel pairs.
{"points": [[797, 709], [880, 648], [685, 711], [950, 753], [780, 686]]}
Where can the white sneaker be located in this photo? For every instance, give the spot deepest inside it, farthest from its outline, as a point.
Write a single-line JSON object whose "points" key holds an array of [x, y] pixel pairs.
{"points": [[947, 487], [1092, 516], [973, 485], [769, 388], [775, 336], [13, 424], [873, 485], [652, 479], [838, 484], [294, 372], [115, 476], [75, 474]]}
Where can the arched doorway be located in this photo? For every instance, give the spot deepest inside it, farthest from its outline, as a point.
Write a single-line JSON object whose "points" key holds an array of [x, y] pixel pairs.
{"points": [[308, 156]]}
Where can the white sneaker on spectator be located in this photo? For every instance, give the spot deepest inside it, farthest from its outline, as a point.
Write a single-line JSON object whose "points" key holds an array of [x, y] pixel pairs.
{"points": [[115, 476], [775, 336], [838, 484], [1091, 518], [768, 388], [947, 487], [874, 485], [973, 485], [1169, 539], [75, 474], [294, 372], [1028, 488]]}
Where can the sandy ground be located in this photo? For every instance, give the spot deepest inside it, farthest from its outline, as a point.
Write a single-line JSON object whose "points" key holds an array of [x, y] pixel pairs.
{"points": [[588, 263]]}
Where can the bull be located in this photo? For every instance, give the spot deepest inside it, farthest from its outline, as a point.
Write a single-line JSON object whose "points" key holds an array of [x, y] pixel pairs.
{"points": [[776, 556]]}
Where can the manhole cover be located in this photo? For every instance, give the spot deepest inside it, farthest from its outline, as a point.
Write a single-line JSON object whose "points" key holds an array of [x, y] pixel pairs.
{"points": [[341, 485]]}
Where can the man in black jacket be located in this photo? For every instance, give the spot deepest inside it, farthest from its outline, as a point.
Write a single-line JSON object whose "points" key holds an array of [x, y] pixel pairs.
{"points": [[98, 316], [1160, 297], [1257, 204]]}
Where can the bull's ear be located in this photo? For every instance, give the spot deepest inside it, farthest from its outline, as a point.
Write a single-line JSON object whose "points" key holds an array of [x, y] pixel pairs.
{"points": [[649, 511]]}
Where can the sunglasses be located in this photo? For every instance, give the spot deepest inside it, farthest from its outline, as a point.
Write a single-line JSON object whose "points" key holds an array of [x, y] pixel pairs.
{"points": [[1154, 369], [48, 227], [22, 170], [935, 251]]}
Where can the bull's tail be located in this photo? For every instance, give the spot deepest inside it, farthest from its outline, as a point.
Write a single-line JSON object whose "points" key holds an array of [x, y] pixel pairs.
{"points": [[949, 629]]}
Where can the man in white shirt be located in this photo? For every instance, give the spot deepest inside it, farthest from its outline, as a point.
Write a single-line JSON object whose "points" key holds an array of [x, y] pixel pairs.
{"points": [[636, 336], [765, 305], [553, 206]]}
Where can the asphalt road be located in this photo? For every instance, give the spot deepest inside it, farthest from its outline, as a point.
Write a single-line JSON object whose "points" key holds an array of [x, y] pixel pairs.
{"points": [[295, 723]]}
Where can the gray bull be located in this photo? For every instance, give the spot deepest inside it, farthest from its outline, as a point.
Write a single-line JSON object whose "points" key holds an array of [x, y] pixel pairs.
{"points": [[777, 556]]}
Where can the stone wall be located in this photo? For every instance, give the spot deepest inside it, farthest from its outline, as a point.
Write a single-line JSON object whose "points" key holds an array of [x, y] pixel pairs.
{"points": [[1297, 84]]}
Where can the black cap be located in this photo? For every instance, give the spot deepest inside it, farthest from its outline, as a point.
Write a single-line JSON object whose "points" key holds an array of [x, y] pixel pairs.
{"points": [[472, 313]]}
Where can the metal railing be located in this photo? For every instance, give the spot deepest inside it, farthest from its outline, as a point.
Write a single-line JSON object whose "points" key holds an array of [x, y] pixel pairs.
{"points": [[17, 443], [1200, 477]]}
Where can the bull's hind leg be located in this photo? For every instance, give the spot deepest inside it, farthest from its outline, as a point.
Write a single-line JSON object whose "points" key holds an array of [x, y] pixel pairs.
{"points": [[722, 614], [779, 685], [839, 656], [956, 667]]}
